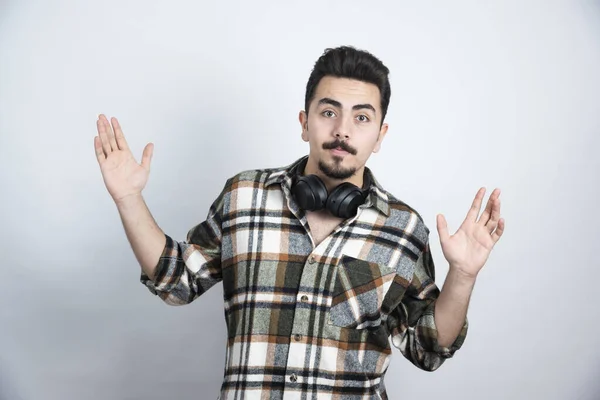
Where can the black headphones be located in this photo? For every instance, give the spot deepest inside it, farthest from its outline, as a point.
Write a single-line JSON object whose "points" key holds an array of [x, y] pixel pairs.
{"points": [[311, 194]]}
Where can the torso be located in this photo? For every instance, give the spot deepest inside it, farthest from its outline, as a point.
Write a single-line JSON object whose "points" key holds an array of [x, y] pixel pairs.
{"points": [[321, 224]]}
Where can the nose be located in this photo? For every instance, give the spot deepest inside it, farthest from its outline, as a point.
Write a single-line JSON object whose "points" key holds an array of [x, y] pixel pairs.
{"points": [[341, 136], [342, 130]]}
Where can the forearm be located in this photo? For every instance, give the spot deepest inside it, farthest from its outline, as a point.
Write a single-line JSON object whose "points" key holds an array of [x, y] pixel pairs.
{"points": [[451, 306], [146, 238]]}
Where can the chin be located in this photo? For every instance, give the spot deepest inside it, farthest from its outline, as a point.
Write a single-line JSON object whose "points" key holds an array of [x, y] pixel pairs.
{"points": [[335, 170]]}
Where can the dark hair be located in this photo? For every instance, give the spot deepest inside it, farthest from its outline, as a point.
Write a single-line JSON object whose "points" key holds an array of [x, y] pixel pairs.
{"points": [[349, 62]]}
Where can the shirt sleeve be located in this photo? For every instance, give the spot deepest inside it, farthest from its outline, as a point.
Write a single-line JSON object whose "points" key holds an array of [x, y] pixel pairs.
{"points": [[189, 268], [412, 324]]}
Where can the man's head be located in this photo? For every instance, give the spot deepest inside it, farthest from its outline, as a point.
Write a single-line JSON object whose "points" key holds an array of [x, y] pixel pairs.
{"points": [[347, 97]]}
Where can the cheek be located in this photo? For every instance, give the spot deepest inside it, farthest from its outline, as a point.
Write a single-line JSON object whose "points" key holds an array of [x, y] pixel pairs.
{"points": [[367, 139], [320, 124], [319, 130]]}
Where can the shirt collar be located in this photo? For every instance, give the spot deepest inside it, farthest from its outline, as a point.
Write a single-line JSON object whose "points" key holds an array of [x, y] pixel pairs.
{"points": [[378, 197]]}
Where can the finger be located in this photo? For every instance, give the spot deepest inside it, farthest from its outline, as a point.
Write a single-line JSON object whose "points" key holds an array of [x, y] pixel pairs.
{"points": [[103, 136], [442, 227], [98, 147], [120, 138], [476, 206], [111, 136], [499, 231], [485, 216], [147, 155], [495, 218]]}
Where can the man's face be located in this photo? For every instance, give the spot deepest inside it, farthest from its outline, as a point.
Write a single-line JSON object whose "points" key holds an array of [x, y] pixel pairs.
{"points": [[343, 126]]}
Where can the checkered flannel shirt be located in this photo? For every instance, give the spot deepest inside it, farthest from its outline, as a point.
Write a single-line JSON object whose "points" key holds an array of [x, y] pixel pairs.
{"points": [[306, 321]]}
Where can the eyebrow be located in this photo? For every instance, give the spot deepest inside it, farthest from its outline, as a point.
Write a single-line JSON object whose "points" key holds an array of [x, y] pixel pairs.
{"points": [[335, 103]]}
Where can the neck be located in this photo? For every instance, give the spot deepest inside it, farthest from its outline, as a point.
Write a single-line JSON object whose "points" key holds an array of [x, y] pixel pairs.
{"points": [[312, 168]]}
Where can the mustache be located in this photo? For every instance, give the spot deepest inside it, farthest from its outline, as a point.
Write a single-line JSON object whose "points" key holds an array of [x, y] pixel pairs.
{"points": [[341, 144]]}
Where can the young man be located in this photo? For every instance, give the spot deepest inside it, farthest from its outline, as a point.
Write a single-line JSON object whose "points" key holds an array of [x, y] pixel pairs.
{"points": [[320, 266]]}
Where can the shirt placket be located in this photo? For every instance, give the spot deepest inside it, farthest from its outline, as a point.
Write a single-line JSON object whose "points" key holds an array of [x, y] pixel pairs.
{"points": [[299, 348]]}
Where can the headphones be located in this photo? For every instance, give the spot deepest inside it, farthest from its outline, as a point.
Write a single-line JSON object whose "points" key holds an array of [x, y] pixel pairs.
{"points": [[311, 194]]}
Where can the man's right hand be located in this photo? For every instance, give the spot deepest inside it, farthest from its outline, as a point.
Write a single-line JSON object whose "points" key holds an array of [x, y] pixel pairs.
{"points": [[123, 176]]}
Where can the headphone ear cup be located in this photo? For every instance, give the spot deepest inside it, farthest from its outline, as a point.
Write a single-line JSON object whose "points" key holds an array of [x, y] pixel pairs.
{"points": [[344, 200], [310, 192]]}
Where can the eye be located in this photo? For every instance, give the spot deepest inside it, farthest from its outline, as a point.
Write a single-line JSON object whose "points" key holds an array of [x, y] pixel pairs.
{"points": [[363, 118], [328, 113]]}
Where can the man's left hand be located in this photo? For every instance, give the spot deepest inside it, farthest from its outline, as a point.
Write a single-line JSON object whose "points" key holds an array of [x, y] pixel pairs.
{"points": [[469, 248]]}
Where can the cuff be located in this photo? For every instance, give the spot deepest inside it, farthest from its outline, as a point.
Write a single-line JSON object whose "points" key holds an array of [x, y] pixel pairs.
{"points": [[427, 335], [161, 278]]}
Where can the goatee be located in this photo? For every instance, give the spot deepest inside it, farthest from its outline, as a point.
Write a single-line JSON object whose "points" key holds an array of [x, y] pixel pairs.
{"points": [[336, 171]]}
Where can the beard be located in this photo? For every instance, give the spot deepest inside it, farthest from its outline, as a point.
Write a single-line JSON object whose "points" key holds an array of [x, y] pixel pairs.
{"points": [[335, 169]]}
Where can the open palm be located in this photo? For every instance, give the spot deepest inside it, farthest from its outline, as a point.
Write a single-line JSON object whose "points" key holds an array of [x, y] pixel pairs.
{"points": [[122, 174], [469, 248]]}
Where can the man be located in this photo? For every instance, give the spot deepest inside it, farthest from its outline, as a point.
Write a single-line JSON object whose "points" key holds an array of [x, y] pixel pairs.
{"points": [[320, 266]]}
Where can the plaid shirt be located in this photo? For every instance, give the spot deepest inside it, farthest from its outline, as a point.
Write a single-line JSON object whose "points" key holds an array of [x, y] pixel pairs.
{"points": [[304, 321]]}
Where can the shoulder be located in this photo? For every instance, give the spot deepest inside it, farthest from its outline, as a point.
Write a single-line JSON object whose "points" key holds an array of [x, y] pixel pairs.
{"points": [[404, 216], [258, 178]]}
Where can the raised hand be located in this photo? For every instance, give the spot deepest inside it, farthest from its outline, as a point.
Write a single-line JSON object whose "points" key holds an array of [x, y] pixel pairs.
{"points": [[469, 248], [122, 174]]}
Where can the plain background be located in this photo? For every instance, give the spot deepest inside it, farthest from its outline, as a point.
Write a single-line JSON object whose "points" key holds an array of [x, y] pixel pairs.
{"points": [[496, 94]]}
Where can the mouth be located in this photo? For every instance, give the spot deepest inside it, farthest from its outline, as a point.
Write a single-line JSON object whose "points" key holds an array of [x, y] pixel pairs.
{"points": [[339, 151]]}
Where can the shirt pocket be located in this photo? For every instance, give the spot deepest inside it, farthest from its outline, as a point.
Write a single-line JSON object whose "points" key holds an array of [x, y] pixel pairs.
{"points": [[359, 289]]}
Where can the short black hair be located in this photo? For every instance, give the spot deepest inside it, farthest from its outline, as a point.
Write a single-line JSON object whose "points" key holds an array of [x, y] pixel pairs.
{"points": [[352, 63]]}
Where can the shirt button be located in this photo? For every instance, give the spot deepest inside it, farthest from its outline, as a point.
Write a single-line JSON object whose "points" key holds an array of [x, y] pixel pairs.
{"points": [[297, 337], [304, 298], [311, 260], [293, 378]]}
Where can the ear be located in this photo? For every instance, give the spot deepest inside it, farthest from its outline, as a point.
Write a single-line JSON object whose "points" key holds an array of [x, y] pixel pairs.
{"points": [[382, 132], [303, 118]]}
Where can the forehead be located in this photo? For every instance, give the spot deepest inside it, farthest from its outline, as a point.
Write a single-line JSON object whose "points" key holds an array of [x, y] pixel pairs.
{"points": [[347, 91]]}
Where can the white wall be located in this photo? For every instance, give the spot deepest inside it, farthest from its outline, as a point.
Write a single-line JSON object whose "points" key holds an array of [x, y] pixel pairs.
{"points": [[497, 94]]}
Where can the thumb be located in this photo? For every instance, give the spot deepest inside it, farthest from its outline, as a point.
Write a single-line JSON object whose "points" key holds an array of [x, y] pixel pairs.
{"points": [[442, 227], [147, 155]]}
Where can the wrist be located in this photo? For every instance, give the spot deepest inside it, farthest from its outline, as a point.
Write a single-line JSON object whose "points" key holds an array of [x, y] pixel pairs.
{"points": [[129, 201], [460, 276]]}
